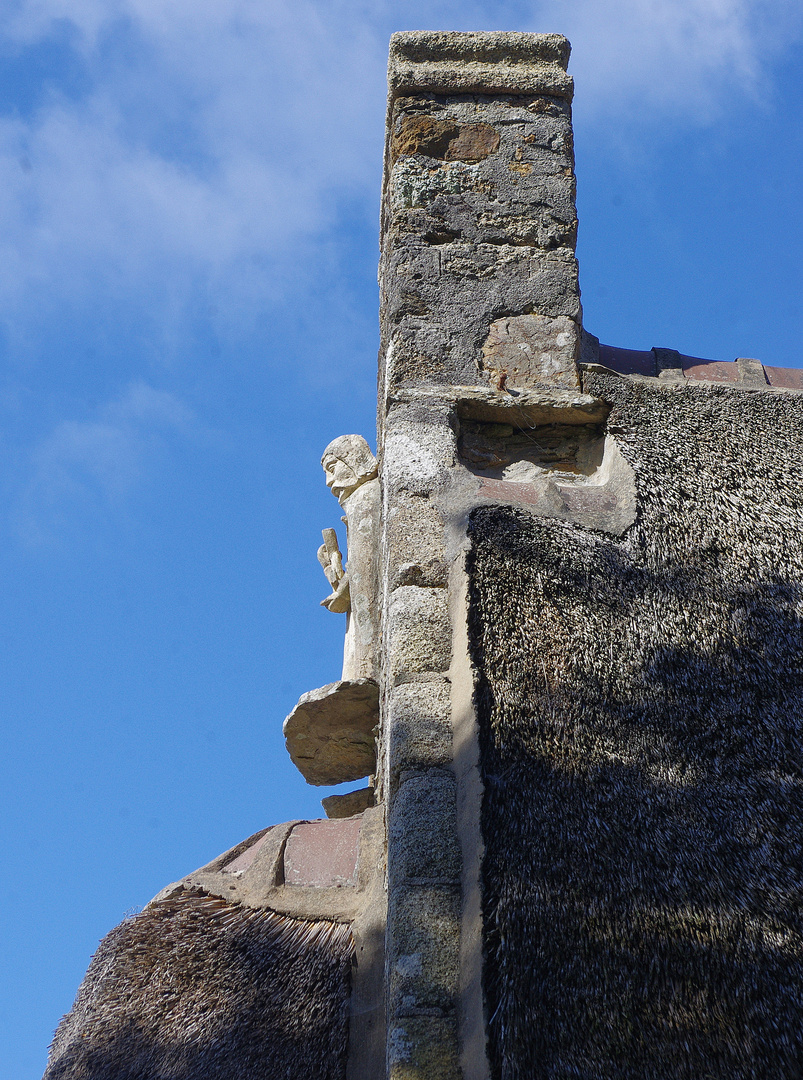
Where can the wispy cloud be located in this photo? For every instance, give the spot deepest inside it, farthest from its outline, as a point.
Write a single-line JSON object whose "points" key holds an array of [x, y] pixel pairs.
{"points": [[691, 59], [89, 467], [203, 152], [208, 147]]}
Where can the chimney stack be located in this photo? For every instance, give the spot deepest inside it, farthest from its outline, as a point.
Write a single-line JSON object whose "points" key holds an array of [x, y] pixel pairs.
{"points": [[480, 309]]}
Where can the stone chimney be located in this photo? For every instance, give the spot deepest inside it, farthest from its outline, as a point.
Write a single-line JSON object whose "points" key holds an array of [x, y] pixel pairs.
{"points": [[480, 316]]}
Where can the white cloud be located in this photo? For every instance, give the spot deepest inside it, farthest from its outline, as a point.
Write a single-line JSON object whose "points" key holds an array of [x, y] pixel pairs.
{"points": [[89, 467], [212, 144], [691, 59], [200, 156]]}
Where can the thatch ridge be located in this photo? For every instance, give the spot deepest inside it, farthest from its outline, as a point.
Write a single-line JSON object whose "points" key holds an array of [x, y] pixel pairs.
{"points": [[641, 726], [194, 986]]}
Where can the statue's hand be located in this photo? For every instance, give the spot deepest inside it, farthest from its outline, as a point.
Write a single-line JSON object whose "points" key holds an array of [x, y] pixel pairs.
{"points": [[340, 600], [330, 571], [331, 560]]}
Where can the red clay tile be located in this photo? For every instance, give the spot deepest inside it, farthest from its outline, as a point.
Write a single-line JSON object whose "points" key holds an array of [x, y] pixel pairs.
{"points": [[633, 362], [792, 378], [627, 361], [323, 853], [711, 370], [507, 491], [245, 858]]}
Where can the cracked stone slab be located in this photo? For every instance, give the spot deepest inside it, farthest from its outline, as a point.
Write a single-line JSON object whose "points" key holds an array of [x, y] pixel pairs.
{"points": [[330, 733], [533, 350]]}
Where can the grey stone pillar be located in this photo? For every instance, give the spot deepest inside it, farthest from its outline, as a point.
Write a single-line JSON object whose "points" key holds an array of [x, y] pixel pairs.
{"points": [[479, 296]]}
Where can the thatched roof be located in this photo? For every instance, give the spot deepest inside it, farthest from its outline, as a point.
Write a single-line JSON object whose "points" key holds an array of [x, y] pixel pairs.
{"points": [[641, 724], [195, 987]]}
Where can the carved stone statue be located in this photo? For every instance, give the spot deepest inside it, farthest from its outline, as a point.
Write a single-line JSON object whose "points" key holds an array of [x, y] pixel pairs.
{"points": [[351, 473]]}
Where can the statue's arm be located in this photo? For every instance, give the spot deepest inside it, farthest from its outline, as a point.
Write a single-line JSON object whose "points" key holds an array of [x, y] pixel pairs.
{"points": [[331, 559]]}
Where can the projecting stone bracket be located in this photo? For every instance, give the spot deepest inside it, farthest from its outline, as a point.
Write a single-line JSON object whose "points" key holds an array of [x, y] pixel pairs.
{"points": [[330, 734], [548, 405]]}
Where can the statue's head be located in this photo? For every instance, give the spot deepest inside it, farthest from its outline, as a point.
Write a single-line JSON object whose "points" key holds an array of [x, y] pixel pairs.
{"points": [[348, 463]]}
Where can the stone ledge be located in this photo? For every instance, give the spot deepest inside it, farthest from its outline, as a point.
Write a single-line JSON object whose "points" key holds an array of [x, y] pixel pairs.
{"points": [[494, 62], [546, 406]]}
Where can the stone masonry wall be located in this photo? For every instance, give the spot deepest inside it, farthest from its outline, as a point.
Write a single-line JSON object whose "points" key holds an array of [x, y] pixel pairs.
{"points": [[479, 294]]}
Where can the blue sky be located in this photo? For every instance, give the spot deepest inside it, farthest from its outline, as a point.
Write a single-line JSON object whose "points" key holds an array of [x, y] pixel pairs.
{"points": [[188, 314]]}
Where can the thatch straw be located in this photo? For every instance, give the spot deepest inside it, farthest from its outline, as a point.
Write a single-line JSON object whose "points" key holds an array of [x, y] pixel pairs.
{"points": [[195, 988], [642, 754]]}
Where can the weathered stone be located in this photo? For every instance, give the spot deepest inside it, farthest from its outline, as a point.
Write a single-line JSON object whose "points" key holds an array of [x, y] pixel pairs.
{"points": [[419, 450], [460, 286], [331, 559], [423, 135], [424, 948], [416, 553], [351, 471], [422, 829], [524, 409], [348, 463], [479, 62], [423, 1048], [751, 372], [353, 802], [444, 140], [419, 720], [330, 733], [474, 142], [418, 632], [532, 350]]}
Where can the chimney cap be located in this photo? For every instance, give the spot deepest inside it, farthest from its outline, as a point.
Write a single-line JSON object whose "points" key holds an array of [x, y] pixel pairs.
{"points": [[481, 62]]}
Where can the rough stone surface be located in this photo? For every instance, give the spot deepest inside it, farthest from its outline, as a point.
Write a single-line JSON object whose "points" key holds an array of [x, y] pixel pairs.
{"points": [[330, 733], [485, 62], [473, 240], [751, 372], [418, 632], [423, 1048], [344, 806], [438, 340], [533, 350], [424, 949], [444, 140], [419, 719], [422, 828], [416, 553], [572, 472], [418, 450]]}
